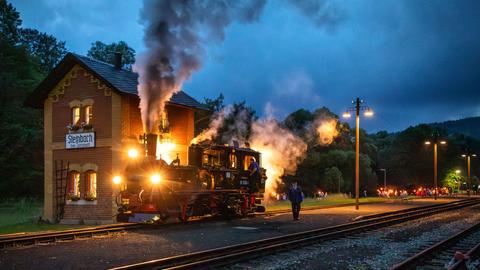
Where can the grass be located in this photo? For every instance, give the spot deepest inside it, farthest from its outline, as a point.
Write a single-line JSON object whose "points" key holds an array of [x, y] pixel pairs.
{"points": [[22, 215], [311, 202]]}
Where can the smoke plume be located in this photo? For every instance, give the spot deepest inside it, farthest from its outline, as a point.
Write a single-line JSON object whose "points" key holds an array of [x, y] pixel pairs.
{"points": [[326, 130], [322, 13], [175, 32], [281, 150], [217, 121]]}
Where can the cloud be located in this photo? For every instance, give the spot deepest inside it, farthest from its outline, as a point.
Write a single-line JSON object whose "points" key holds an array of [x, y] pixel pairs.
{"points": [[297, 87]]}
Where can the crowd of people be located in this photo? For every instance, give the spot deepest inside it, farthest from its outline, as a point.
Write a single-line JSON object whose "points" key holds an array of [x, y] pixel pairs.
{"points": [[421, 192], [388, 193]]}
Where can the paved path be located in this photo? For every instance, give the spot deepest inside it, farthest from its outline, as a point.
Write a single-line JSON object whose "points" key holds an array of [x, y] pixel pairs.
{"points": [[136, 246]]}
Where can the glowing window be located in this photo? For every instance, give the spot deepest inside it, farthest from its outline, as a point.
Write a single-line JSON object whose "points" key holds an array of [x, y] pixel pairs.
{"points": [[91, 184], [75, 115], [233, 161], [74, 185], [213, 158], [88, 114]]}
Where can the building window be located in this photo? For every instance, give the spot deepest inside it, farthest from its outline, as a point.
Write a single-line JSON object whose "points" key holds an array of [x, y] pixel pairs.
{"points": [[233, 161], [88, 115], [75, 115], [91, 185], [74, 186]]}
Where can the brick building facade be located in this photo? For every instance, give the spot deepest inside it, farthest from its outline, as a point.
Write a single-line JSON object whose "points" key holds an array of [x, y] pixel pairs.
{"points": [[91, 117]]}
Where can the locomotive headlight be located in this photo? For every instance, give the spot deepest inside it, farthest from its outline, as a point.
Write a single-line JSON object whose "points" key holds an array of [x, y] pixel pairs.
{"points": [[155, 179], [132, 153], [117, 180]]}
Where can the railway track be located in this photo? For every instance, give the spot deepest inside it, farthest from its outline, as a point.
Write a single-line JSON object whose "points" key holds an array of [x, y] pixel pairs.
{"points": [[236, 253], [440, 254], [49, 237], [15, 240]]}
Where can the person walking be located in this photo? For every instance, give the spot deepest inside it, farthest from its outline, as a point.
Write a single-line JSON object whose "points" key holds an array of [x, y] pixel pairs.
{"points": [[295, 196]]}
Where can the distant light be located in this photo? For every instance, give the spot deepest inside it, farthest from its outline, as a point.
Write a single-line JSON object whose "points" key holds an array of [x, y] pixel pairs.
{"points": [[346, 115], [155, 178], [133, 153], [458, 171], [368, 112], [427, 143], [443, 142], [464, 155], [474, 155], [117, 180]]}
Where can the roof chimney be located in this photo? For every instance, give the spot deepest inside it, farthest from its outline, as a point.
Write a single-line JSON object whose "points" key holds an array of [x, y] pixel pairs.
{"points": [[118, 60]]}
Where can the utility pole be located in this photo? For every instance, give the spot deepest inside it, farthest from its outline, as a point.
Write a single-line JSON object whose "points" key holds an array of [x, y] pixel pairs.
{"points": [[435, 139], [384, 178], [368, 112], [468, 155]]}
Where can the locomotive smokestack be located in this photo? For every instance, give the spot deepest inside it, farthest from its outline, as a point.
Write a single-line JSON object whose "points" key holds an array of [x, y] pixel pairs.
{"points": [[152, 145]]}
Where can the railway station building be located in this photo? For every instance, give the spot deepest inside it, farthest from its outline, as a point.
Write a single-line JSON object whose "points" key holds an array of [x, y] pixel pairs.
{"points": [[91, 116]]}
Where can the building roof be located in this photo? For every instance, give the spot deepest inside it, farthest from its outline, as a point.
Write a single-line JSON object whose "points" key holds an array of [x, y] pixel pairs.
{"points": [[122, 80]]}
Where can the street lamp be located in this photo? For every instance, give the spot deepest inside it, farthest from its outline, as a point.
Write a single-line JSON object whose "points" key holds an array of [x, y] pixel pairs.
{"points": [[368, 112], [435, 140], [384, 178], [468, 154]]}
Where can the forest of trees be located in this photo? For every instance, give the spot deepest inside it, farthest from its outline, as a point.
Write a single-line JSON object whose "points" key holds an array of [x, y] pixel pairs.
{"points": [[404, 155], [27, 56]]}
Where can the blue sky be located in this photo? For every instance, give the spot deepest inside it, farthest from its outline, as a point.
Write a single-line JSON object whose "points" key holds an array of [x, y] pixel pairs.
{"points": [[412, 61]]}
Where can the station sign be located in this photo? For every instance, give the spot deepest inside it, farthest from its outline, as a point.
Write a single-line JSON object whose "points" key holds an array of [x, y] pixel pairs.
{"points": [[80, 140]]}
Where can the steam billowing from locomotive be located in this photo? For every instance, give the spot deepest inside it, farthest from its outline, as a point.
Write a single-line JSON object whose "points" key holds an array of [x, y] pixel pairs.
{"points": [[174, 36]]}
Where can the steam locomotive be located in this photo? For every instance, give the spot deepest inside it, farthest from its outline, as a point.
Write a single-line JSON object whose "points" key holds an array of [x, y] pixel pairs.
{"points": [[215, 182]]}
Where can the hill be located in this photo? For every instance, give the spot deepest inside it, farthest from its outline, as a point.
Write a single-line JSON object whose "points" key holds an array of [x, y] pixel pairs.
{"points": [[469, 126]]}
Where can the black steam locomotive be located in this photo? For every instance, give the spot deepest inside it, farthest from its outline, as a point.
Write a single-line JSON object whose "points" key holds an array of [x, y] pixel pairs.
{"points": [[216, 181]]}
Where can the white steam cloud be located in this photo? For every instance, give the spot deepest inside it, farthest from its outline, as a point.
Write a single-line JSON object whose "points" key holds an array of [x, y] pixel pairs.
{"points": [[281, 150]]}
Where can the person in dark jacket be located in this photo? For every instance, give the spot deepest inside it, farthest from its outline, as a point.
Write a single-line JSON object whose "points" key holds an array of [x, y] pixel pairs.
{"points": [[295, 196], [254, 175]]}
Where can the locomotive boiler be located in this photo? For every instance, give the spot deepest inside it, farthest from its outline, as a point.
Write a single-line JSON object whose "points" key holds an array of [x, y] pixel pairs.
{"points": [[216, 181]]}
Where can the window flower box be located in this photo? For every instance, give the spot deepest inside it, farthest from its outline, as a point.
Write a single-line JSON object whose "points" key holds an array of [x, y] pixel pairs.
{"points": [[73, 197], [73, 128], [83, 127], [90, 196]]}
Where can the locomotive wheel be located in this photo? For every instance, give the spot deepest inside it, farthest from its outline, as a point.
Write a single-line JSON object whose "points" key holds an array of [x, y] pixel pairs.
{"points": [[183, 218]]}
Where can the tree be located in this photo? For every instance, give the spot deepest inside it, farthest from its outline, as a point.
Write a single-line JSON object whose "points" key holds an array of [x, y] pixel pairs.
{"points": [[21, 158], [9, 22], [105, 52], [298, 120], [214, 105], [453, 181], [45, 48], [333, 179]]}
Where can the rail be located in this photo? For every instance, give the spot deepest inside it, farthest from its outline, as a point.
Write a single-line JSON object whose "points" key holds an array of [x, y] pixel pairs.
{"points": [[235, 253], [447, 246]]}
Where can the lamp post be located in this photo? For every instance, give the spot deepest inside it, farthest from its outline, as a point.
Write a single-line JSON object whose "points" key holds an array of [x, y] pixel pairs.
{"points": [[457, 172], [435, 140], [468, 155], [384, 178], [368, 112]]}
